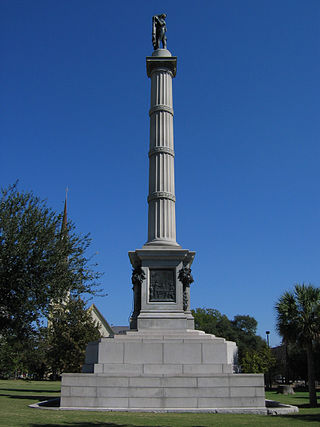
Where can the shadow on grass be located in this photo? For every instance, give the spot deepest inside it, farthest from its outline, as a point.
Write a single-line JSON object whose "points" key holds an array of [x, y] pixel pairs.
{"points": [[29, 390], [306, 405], [295, 396], [303, 417], [51, 403], [92, 424], [27, 396]]}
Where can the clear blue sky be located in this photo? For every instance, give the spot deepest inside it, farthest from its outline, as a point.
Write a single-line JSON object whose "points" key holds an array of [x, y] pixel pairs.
{"points": [[74, 112]]}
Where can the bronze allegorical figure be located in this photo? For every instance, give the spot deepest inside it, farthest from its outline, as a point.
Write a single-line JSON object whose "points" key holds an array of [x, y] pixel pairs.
{"points": [[159, 29]]}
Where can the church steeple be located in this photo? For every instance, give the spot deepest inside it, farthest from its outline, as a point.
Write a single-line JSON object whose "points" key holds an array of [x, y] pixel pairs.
{"points": [[64, 219]]}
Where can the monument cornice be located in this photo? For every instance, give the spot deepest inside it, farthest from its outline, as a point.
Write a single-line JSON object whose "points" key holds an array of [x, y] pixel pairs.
{"points": [[169, 253], [161, 63]]}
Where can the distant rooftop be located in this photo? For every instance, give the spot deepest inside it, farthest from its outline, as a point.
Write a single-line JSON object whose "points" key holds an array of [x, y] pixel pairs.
{"points": [[118, 330]]}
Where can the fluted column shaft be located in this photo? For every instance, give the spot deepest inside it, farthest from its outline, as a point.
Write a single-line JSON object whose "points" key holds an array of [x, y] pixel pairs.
{"points": [[161, 199]]}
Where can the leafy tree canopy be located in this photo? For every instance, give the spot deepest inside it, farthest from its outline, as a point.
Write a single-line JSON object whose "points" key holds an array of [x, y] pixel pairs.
{"points": [[298, 315], [51, 350], [242, 329], [256, 362], [37, 264], [19, 356], [70, 329], [245, 323], [298, 322]]}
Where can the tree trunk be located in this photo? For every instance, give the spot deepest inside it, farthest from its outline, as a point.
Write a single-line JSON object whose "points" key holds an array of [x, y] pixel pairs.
{"points": [[311, 377], [287, 365]]}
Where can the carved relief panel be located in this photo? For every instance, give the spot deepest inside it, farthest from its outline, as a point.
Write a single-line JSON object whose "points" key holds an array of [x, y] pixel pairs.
{"points": [[162, 285]]}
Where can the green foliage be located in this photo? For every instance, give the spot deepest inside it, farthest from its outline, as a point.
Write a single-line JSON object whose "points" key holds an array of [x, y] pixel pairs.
{"points": [[10, 358], [212, 321], [70, 329], [37, 265], [245, 323], [298, 315], [21, 356], [53, 350], [298, 322], [256, 362], [242, 329], [246, 338]]}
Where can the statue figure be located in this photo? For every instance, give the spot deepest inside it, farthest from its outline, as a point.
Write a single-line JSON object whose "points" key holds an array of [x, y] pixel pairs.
{"points": [[159, 29], [137, 278], [186, 279], [185, 276]]}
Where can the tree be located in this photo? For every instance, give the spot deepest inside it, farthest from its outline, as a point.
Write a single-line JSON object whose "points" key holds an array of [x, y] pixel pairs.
{"points": [[245, 323], [213, 322], [242, 329], [25, 356], [58, 348], [37, 265], [256, 362], [298, 321], [246, 338], [70, 329]]}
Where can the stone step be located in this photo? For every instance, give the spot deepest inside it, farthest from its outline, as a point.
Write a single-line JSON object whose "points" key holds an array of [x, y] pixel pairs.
{"points": [[129, 392]]}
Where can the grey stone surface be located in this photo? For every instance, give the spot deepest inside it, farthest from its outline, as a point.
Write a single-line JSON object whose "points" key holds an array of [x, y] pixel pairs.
{"points": [[140, 352], [165, 390], [211, 368], [163, 369], [276, 408], [122, 368], [183, 353], [145, 381], [272, 408], [161, 199], [164, 315]]}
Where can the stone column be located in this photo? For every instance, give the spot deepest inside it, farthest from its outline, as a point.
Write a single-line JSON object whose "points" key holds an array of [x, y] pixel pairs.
{"points": [[161, 295], [161, 68]]}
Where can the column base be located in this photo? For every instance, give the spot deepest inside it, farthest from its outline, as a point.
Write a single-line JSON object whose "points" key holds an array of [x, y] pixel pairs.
{"points": [[161, 243]]}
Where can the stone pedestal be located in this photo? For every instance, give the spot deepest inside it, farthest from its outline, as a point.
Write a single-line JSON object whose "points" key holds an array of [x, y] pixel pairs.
{"points": [[163, 301], [163, 371]]}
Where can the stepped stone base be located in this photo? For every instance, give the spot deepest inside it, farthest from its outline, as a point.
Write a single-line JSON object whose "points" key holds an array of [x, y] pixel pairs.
{"points": [[162, 391], [162, 370]]}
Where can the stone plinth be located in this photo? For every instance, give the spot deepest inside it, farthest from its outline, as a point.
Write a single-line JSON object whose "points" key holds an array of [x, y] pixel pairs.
{"points": [[193, 393], [164, 370], [163, 302], [160, 352]]}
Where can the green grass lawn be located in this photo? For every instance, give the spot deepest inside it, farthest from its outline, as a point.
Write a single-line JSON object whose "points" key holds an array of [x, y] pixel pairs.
{"points": [[15, 396]]}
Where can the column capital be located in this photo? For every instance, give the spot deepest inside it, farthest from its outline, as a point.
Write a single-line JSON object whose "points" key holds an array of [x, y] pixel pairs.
{"points": [[161, 62]]}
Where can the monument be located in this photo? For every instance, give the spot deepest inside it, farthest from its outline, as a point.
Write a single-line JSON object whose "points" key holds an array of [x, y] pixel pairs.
{"points": [[162, 363]]}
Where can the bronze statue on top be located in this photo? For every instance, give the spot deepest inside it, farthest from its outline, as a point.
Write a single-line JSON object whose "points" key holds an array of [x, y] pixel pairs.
{"points": [[159, 29]]}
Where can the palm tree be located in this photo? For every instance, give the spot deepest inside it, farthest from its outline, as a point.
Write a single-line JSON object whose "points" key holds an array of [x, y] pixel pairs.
{"points": [[298, 321]]}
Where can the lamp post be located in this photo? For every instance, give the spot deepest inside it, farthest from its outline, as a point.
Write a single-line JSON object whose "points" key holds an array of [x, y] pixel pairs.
{"points": [[268, 374], [268, 333]]}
